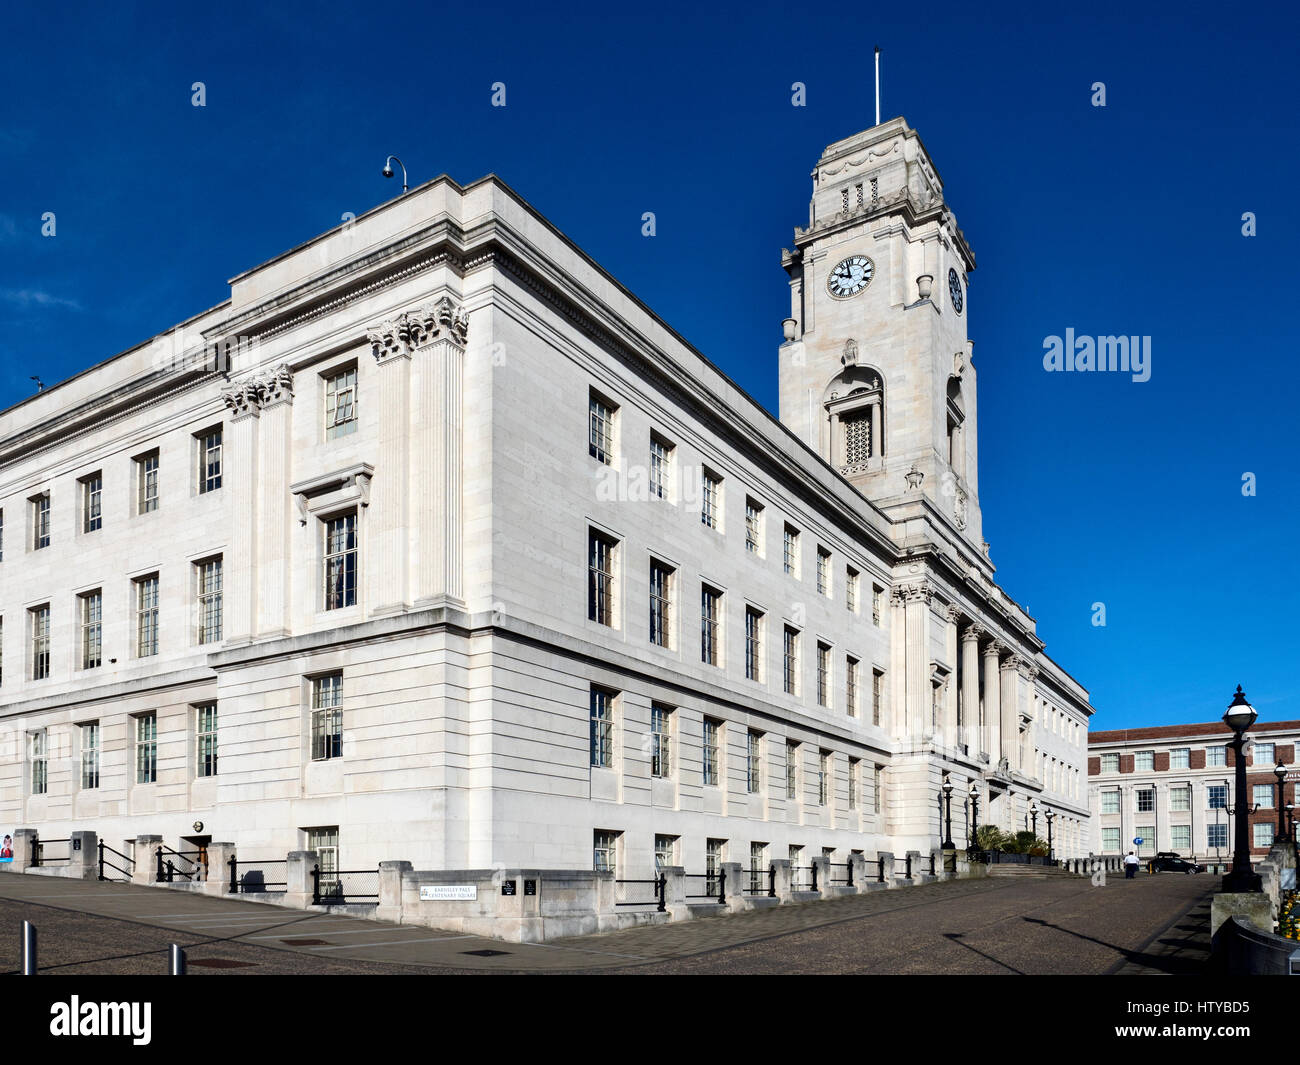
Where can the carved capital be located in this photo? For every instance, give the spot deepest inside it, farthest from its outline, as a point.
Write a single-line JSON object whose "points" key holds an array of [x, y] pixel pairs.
{"points": [[251, 396], [919, 592], [277, 386], [399, 337], [953, 613], [243, 399], [1013, 662], [994, 648], [972, 632]]}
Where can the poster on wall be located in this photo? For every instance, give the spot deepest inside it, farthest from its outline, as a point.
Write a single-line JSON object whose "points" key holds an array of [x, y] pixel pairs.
{"points": [[7, 851]]}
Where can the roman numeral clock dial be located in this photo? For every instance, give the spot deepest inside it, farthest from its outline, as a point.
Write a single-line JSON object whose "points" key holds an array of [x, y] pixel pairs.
{"points": [[850, 277]]}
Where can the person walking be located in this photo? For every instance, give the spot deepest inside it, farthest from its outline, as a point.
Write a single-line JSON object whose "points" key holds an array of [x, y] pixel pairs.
{"points": [[1130, 865]]}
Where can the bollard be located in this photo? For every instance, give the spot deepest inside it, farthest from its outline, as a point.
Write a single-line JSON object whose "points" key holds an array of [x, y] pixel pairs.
{"points": [[29, 949], [176, 961]]}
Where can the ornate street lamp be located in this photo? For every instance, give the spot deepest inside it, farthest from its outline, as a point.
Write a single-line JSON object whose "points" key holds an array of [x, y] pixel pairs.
{"points": [[1279, 771], [1033, 812], [947, 798], [974, 794], [1239, 716], [1051, 816]]}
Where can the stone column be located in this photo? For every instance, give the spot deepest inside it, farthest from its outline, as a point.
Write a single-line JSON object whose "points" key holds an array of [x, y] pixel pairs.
{"points": [[389, 519], [951, 733], [919, 695], [822, 864], [273, 564], [239, 566], [390, 890], [781, 868], [970, 688], [145, 870], [218, 881], [1009, 684], [735, 886], [992, 701], [22, 847], [300, 881]]}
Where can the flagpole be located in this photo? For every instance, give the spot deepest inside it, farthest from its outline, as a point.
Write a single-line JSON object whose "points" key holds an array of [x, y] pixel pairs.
{"points": [[877, 85]]}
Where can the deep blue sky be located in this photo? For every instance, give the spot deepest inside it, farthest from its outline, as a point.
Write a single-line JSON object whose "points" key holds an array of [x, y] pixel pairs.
{"points": [[1125, 219]]}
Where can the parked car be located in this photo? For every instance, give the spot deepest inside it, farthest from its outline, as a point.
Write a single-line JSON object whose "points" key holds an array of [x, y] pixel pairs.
{"points": [[1170, 862]]}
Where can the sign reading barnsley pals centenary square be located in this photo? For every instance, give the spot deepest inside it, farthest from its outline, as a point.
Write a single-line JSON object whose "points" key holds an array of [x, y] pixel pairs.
{"points": [[448, 892]]}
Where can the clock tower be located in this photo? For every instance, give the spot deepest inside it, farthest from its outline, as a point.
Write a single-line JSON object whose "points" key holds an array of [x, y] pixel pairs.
{"points": [[876, 373]]}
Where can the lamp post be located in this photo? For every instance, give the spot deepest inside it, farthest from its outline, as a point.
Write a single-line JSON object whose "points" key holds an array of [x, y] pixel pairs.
{"points": [[1239, 716], [1033, 813], [388, 169], [947, 798], [1290, 820], [1279, 771], [1051, 816], [974, 794]]}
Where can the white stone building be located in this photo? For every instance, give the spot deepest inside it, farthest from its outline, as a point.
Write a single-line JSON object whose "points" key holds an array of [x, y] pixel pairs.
{"points": [[433, 543]]}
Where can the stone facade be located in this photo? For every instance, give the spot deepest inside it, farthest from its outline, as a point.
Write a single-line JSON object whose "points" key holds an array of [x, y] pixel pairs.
{"points": [[459, 466], [1179, 780]]}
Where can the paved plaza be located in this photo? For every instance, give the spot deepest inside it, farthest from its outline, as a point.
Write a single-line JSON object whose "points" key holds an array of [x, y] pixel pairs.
{"points": [[1025, 925]]}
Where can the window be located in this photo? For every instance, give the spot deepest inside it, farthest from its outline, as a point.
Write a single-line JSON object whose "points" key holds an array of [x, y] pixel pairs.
{"points": [[146, 749], [325, 842], [40, 627], [790, 662], [851, 590], [1110, 802], [1147, 834], [823, 571], [791, 769], [660, 466], [146, 616], [90, 755], [711, 499], [600, 578], [753, 527], [205, 730], [823, 778], [711, 729], [665, 852], [1110, 763], [1216, 757], [660, 604], [823, 675], [146, 483], [1263, 834], [660, 741], [1217, 796], [40, 521], [1263, 754], [1215, 836], [714, 849], [1180, 758], [341, 403], [1146, 800], [208, 576], [1144, 761], [757, 866], [91, 608], [1180, 798], [1262, 796], [877, 788], [753, 644], [38, 742], [604, 848], [92, 493], [851, 686], [600, 439], [877, 695], [602, 728], [710, 625], [209, 453], [1180, 837], [754, 762], [791, 551], [877, 605], [339, 567], [327, 717], [1109, 840], [853, 783]]}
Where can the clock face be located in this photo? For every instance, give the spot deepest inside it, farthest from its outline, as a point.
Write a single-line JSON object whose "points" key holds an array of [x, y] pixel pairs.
{"points": [[954, 290], [850, 277]]}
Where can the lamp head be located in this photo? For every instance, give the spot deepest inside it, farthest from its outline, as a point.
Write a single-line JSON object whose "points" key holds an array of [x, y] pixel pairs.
{"points": [[947, 786], [1279, 771], [1240, 714], [974, 790], [388, 170], [1051, 816]]}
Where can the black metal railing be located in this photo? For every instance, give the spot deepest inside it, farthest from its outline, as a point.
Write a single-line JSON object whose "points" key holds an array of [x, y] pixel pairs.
{"points": [[842, 874], [996, 857], [803, 878], [642, 892], [254, 877], [714, 886], [50, 851], [760, 881], [932, 872], [180, 865], [906, 864], [338, 886], [109, 860]]}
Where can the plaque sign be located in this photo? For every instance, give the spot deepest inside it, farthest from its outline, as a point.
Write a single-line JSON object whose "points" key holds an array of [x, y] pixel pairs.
{"points": [[448, 892]]}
